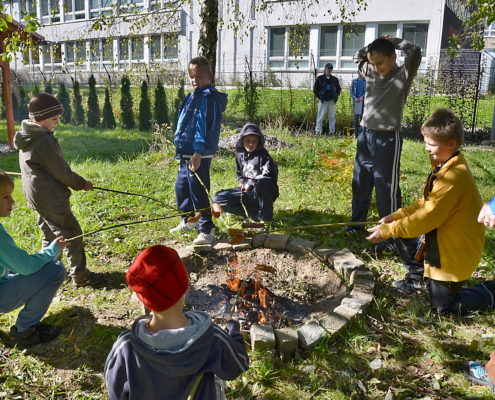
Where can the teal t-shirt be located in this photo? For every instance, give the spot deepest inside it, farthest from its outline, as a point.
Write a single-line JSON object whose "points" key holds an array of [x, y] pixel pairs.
{"points": [[14, 259]]}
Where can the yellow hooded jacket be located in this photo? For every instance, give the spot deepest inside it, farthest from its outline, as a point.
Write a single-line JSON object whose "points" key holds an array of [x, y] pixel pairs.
{"points": [[447, 215]]}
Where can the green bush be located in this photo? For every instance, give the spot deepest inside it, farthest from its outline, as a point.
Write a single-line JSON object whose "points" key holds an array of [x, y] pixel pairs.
{"points": [[144, 109], [48, 88], [78, 107], [108, 117], [126, 112], [23, 112], [35, 90], [181, 95], [161, 113], [63, 97], [93, 106]]}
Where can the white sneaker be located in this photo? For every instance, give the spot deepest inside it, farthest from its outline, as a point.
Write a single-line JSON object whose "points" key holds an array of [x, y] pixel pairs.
{"points": [[184, 226], [205, 238]]}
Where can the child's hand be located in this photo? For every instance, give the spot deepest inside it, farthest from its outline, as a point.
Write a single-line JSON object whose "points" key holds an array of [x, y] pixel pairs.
{"points": [[88, 186], [240, 186], [387, 219], [486, 216], [195, 162], [248, 188], [61, 242], [376, 236]]}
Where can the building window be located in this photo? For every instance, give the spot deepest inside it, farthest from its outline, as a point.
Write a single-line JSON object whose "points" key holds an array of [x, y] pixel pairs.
{"points": [[490, 30], [131, 5], [352, 40], [107, 50], [417, 34], [277, 48], [27, 7], [124, 50], [298, 47], [137, 46], [387, 30], [35, 55], [50, 11], [69, 52], [100, 7], [74, 9], [328, 41], [47, 56], [163, 47]]}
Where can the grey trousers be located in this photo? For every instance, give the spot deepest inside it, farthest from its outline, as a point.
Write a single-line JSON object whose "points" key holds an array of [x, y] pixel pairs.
{"points": [[61, 222]]}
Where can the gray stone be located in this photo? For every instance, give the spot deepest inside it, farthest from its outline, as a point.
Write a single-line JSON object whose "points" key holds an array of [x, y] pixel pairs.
{"points": [[346, 312], [222, 246], [242, 246], [259, 239], [324, 251], [333, 322], [353, 302], [364, 295], [309, 335], [300, 245], [364, 284], [199, 248], [287, 340], [262, 337], [276, 241], [193, 262], [345, 262], [361, 274]]}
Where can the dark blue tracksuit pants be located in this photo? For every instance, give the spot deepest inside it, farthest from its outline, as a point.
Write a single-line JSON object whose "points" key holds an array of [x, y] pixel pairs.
{"points": [[258, 202], [190, 193], [452, 298]]}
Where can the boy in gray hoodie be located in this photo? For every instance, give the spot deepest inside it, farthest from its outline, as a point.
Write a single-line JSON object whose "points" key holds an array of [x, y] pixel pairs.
{"points": [[46, 179], [171, 354]]}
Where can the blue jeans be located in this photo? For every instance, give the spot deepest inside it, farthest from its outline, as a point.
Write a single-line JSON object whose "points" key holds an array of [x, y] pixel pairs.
{"points": [[35, 292], [191, 195]]}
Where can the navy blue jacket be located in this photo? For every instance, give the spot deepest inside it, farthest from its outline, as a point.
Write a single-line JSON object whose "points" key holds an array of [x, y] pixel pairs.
{"points": [[135, 370], [200, 119], [327, 89]]}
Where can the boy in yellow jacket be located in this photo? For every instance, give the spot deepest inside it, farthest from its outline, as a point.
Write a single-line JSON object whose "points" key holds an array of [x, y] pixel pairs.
{"points": [[447, 216]]}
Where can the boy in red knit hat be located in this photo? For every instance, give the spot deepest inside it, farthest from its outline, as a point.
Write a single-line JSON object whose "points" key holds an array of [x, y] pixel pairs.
{"points": [[46, 179], [171, 354]]}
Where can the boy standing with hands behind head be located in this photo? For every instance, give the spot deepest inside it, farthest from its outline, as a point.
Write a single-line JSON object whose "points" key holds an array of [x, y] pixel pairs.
{"points": [[196, 141], [447, 216], [46, 179], [172, 354]]}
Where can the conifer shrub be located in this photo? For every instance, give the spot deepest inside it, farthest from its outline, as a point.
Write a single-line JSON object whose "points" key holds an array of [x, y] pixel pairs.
{"points": [[144, 109], [78, 117], [23, 112], [160, 110], [48, 88], [181, 95], [63, 97], [93, 106], [108, 116], [126, 112]]}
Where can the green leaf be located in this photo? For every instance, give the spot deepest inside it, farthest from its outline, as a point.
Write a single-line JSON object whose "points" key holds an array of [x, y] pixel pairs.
{"points": [[8, 18], [3, 25]]}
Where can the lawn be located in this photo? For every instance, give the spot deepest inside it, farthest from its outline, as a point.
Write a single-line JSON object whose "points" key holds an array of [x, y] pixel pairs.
{"points": [[420, 353]]}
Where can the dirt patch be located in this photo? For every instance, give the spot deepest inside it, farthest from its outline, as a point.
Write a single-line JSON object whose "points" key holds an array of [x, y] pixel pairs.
{"points": [[301, 286]]}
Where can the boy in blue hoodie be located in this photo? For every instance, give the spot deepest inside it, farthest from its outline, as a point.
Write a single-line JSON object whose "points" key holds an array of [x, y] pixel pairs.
{"points": [[257, 174], [29, 280], [196, 141], [171, 354]]}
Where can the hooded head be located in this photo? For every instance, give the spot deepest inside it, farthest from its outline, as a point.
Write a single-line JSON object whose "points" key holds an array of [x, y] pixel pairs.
{"points": [[250, 129]]}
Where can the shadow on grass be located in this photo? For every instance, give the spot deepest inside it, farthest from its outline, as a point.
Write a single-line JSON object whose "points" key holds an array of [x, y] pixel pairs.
{"points": [[83, 341], [113, 280]]}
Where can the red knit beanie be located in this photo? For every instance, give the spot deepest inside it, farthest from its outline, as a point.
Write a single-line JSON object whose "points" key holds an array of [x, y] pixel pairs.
{"points": [[43, 106], [159, 277]]}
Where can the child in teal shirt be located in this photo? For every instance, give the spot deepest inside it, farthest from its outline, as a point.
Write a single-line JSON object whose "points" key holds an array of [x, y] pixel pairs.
{"points": [[29, 280]]}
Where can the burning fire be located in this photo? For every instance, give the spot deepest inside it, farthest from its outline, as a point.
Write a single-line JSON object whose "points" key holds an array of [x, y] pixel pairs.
{"points": [[252, 297]]}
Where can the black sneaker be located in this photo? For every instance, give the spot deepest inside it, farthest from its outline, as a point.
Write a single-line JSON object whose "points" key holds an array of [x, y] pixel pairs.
{"points": [[39, 333], [408, 285], [92, 279], [387, 246], [352, 229]]}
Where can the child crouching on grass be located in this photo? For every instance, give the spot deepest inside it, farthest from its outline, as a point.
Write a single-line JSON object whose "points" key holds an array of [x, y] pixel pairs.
{"points": [[257, 174], [29, 280], [447, 216], [171, 354]]}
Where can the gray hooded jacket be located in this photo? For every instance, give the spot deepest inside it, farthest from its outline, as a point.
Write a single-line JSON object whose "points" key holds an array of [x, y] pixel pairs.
{"points": [[46, 176]]}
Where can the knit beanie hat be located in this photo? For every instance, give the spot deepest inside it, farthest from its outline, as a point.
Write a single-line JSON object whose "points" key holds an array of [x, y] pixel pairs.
{"points": [[158, 277], [43, 106]]}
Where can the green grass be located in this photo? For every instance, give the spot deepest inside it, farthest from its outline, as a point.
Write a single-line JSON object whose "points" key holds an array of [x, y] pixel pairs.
{"points": [[418, 350]]}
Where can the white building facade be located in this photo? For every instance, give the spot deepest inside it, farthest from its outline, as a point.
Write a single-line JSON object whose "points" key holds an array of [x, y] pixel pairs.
{"points": [[287, 37]]}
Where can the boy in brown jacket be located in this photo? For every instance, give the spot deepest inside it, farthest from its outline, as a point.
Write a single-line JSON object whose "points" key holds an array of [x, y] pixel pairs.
{"points": [[46, 179]]}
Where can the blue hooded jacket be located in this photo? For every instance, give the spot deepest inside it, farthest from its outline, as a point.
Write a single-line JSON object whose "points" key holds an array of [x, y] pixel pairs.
{"points": [[200, 119]]}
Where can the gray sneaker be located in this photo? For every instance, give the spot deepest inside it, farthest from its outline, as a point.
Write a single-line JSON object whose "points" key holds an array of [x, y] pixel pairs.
{"points": [[408, 285], [205, 238], [184, 227]]}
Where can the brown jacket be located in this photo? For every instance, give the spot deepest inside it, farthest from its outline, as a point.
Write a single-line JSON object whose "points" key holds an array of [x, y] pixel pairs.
{"points": [[46, 176]]}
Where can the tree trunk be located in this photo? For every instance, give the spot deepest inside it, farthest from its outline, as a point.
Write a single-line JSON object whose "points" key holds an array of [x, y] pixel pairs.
{"points": [[208, 36]]}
